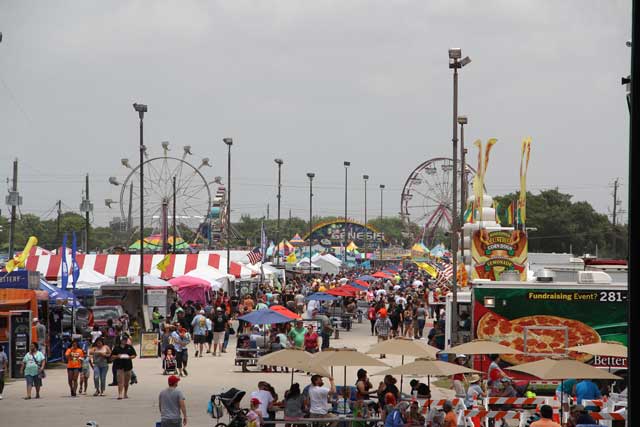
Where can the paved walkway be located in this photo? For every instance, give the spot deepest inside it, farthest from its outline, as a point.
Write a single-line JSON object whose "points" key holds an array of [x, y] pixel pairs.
{"points": [[207, 375]]}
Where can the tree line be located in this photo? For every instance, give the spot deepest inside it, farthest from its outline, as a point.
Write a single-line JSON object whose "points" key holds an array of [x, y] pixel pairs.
{"points": [[561, 225]]}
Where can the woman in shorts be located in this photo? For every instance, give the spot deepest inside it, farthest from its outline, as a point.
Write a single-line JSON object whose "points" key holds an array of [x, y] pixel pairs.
{"points": [[33, 370], [74, 356]]}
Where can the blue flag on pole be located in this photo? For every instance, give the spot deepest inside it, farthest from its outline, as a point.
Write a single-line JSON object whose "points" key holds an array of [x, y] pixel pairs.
{"points": [[63, 266], [75, 269]]}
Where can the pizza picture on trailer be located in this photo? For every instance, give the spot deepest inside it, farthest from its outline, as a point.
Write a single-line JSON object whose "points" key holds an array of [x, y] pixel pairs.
{"points": [[542, 341]]}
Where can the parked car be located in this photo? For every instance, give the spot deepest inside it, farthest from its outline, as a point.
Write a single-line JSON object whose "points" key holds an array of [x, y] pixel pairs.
{"points": [[102, 313]]}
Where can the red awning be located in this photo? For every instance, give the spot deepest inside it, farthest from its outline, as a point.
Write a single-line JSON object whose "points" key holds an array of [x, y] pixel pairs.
{"points": [[284, 311]]}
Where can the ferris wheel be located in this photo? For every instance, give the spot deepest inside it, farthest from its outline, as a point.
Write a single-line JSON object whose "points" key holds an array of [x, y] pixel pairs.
{"points": [[191, 189], [427, 196]]}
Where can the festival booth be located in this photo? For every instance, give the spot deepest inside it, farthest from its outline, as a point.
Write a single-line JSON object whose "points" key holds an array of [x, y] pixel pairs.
{"points": [[327, 263], [303, 265], [191, 288]]}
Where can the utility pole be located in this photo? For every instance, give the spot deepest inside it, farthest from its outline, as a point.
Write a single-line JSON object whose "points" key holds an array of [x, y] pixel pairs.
{"points": [[615, 200], [58, 221], [86, 207], [267, 211], [14, 200]]}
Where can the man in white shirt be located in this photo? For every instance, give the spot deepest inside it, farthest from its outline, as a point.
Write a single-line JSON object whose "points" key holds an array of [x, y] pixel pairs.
{"points": [[312, 305], [319, 398], [265, 398]]}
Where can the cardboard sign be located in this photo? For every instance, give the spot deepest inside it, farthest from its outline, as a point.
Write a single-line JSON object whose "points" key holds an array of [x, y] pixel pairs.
{"points": [[149, 344]]}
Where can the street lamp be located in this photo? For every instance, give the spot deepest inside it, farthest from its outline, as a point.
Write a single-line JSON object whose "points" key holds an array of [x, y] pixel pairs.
{"points": [[279, 162], [462, 120], [141, 109], [310, 175], [366, 231], [455, 63], [381, 199], [344, 247], [229, 142]]}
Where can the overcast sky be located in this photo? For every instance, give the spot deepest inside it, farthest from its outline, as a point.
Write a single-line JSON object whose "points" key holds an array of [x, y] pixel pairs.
{"points": [[315, 83]]}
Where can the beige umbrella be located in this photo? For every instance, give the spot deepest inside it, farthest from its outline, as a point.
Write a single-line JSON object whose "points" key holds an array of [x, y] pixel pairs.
{"points": [[344, 357], [405, 347], [602, 349], [427, 367], [482, 347], [293, 359], [563, 369]]}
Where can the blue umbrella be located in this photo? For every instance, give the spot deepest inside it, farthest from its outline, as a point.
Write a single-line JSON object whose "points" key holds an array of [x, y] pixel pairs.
{"points": [[367, 278], [321, 296], [355, 285], [264, 317]]}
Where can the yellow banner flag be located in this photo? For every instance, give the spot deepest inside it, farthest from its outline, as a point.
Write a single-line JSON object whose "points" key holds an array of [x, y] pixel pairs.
{"points": [[428, 268], [524, 166], [164, 264], [19, 260], [291, 258]]}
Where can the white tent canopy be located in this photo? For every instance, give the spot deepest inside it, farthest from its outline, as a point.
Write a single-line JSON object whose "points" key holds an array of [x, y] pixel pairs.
{"points": [[327, 263], [89, 279], [218, 279], [304, 263]]}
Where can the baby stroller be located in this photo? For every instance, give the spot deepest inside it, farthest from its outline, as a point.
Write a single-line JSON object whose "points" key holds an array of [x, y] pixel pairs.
{"points": [[169, 364], [230, 400]]}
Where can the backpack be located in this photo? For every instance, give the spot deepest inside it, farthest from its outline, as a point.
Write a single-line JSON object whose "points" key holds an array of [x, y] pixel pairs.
{"points": [[371, 314], [202, 322]]}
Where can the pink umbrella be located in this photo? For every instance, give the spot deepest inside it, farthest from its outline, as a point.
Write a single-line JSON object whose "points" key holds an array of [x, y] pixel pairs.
{"points": [[184, 281]]}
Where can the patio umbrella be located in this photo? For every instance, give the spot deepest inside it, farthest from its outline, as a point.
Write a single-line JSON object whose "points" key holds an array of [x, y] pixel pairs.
{"points": [[344, 357], [602, 349], [481, 347], [321, 296], [293, 359], [357, 286], [352, 289], [339, 292], [427, 367], [362, 283], [382, 275], [284, 311], [366, 277], [264, 317], [405, 347], [563, 369], [180, 281]]}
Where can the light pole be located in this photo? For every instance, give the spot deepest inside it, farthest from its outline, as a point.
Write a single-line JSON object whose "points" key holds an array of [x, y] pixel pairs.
{"points": [[279, 162], [344, 245], [229, 142], [381, 206], [462, 120], [455, 63], [366, 231], [310, 175], [141, 109]]}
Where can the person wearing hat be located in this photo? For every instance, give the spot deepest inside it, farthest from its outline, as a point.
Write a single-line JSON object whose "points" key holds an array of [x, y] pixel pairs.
{"points": [[458, 379], [172, 403], [254, 416], [181, 339], [383, 327], [200, 325], [220, 324], [475, 391]]}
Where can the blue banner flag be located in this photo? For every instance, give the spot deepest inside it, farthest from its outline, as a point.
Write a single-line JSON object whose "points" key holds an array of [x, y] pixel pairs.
{"points": [[63, 266], [75, 269]]}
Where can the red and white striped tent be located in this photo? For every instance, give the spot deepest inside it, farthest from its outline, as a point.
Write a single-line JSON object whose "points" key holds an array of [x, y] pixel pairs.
{"points": [[128, 265], [37, 250]]}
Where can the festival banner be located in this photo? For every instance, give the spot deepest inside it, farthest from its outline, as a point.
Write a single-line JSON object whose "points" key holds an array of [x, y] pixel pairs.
{"points": [[524, 167], [428, 268], [494, 252], [64, 268]]}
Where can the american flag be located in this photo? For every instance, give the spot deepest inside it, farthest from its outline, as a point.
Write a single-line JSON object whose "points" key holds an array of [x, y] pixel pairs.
{"points": [[445, 274], [255, 256]]}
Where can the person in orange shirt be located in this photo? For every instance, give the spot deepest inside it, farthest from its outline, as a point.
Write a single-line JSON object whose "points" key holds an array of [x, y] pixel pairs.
{"points": [[546, 420], [74, 356], [450, 418]]}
